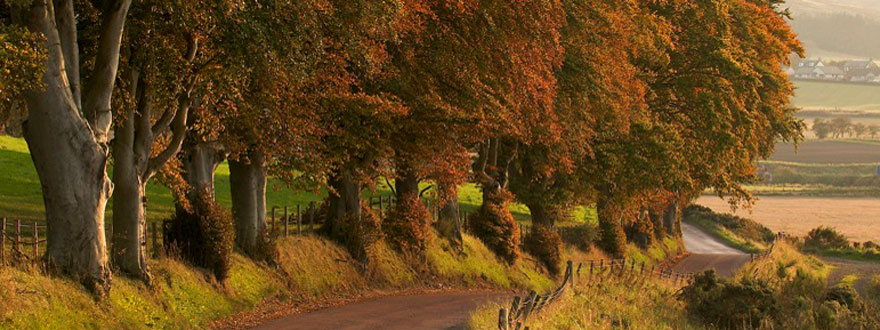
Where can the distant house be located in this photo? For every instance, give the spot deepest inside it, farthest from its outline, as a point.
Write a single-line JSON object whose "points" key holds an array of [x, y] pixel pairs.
{"points": [[820, 72], [810, 63], [863, 74], [789, 71], [859, 65], [829, 73]]}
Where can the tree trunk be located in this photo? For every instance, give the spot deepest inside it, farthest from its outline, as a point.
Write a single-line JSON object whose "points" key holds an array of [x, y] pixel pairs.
{"points": [[539, 214], [406, 184], [200, 160], [671, 220], [70, 156], [247, 178], [345, 201], [129, 214], [612, 236], [450, 223]]}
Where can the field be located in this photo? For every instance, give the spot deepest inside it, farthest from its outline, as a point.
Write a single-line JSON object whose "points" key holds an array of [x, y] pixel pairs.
{"points": [[816, 95], [21, 196], [857, 218], [827, 152]]}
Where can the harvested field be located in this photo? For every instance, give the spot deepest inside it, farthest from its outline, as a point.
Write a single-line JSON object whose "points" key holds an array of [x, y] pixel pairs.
{"points": [[857, 218], [825, 152]]}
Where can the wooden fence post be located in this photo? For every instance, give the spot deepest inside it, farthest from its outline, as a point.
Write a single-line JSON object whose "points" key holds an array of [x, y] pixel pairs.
{"points": [[312, 216], [155, 240], [17, 243], [36, 243], [299, 219], [381, 207], [286, 221], [503, 320], [272, 220], [2, 241]]}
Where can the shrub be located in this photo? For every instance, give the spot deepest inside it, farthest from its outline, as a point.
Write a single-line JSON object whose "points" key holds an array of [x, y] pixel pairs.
{"points": [[825, 238], [406, 226], [640, 232], [612, 237], [844, 295], [357, 234], [581, 236], [494, 225], [657, 223], [728, 304], [203, 235], [546, 245]]}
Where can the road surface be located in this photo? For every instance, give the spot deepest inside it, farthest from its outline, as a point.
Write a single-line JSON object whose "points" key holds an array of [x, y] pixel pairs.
{"points": [[449, 311], [708, 253], [442, 311]]}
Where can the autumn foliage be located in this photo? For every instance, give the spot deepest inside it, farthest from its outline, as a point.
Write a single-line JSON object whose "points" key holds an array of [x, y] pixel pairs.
{"points": [[406, 225], [203, 235], [545, 243], [494, 224], [630, 106]]}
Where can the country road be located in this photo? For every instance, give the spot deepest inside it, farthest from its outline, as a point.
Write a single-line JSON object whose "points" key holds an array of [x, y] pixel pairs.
{"points": [[708, 253], [447, 311], [441, 311]]}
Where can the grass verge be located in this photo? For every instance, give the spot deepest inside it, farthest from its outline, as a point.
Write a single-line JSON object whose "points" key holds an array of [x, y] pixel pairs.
{"points": [[310, 269]]}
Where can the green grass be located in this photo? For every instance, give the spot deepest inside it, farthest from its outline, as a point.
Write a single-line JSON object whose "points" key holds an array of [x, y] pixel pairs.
{"points": [[830, 96], [740, 233], [21, 195], [310, 270]]}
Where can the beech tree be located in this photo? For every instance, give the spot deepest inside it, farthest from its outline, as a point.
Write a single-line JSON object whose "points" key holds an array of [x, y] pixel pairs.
{"points": [[162, 68], [68, 131], [446, 74]]}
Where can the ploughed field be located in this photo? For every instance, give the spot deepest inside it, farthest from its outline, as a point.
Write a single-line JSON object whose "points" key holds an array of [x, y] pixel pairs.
{"points": [[857, 218], [827, 152]]}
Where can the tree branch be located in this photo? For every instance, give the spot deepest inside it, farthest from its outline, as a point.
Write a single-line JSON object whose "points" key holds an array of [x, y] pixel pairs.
{"points": [[178, 130], [96, 105], [65, 21]]}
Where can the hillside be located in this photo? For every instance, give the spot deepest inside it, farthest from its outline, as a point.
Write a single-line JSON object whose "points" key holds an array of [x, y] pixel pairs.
{"points": [[837, 28]]}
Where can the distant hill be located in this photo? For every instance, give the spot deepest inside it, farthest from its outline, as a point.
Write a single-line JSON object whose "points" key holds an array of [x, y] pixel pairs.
{"points": [[837, 28]]}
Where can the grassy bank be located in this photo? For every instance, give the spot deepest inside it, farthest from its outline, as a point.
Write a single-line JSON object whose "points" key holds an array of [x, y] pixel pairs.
{"points": [[310, 270], [740, 233], [614, 303]]}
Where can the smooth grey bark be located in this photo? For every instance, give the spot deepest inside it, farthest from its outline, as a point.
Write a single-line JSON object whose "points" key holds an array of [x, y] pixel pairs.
{"points": [[672, 220], [69, 152], [345, 201], [200, 159], [247, 179], [450, 223], [133, 168]]}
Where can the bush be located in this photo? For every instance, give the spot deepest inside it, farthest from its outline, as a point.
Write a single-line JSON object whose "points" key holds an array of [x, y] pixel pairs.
{"points": [[581, 236], [494, 225], [357, 234], [825, 238], [203, 235], [844, 295], [546, 245], [640, 232], [612, 237], [406, 226], [727, 304]]}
